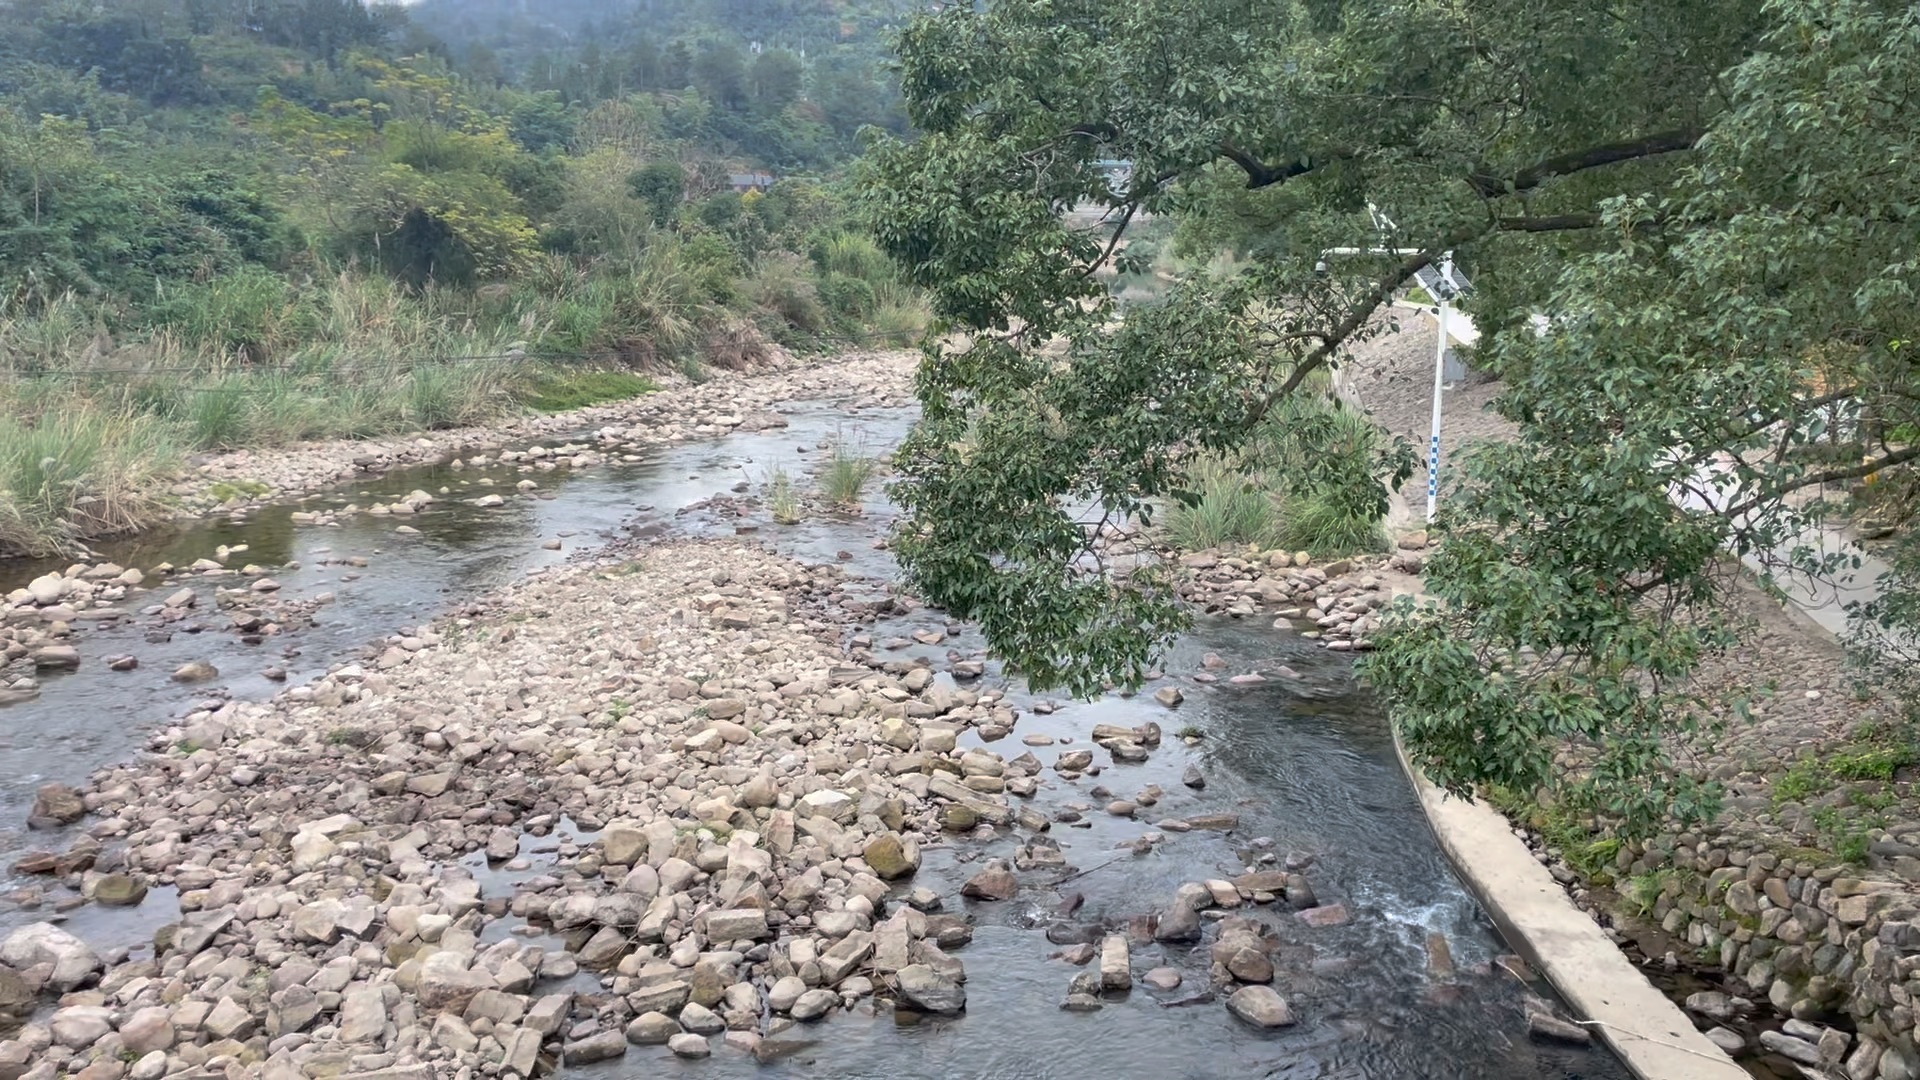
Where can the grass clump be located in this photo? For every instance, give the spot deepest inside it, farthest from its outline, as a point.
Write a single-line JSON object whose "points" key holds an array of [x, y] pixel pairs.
{"points": [[783, 498], [81, 471], [555, 391], [1314, 477], [1224, 506], [847, 474]]}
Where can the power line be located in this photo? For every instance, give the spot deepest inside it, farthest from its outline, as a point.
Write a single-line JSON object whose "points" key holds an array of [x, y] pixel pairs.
{"points": [[396, 365], [363, 366]]}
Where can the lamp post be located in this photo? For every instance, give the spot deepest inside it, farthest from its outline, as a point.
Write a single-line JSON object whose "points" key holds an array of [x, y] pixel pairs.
{"points": [[1445, 285]]}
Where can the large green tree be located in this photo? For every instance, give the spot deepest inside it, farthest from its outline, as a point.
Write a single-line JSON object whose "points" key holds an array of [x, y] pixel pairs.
{"points": [[1712, 201]]}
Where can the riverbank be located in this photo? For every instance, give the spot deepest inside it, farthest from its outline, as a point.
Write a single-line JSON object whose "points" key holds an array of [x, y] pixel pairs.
{"points": [[1803, 894]]}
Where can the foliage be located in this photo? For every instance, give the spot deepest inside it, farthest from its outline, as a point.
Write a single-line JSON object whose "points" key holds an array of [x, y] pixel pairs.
{"points": [[564, 390], [1704, 197]]}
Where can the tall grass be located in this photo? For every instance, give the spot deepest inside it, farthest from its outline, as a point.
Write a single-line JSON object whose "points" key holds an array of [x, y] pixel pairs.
{"points": [[80, 471], [847, 474], [100, 401], [783, 498], [1314, 477], [1227, 507]]}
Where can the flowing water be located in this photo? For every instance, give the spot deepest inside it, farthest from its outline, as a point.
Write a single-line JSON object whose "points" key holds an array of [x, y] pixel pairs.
{"points": [[1307, 765]]}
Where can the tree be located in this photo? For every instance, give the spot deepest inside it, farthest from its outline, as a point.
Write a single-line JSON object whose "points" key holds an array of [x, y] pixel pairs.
{"points": [[774, 81], [1704, 196], [661, 185]]}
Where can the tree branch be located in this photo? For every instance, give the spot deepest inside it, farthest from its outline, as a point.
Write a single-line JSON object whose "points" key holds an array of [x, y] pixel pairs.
{"points": [[1259, 173], [1851, 472], [1119, 230], [1593, 157], [1547, 223]]}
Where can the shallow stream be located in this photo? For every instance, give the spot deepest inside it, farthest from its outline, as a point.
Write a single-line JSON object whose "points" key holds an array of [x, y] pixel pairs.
{"points": [[1306, 764]]}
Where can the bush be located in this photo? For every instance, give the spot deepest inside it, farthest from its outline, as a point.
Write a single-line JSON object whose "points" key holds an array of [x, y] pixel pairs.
{"points": [[780, 285]]}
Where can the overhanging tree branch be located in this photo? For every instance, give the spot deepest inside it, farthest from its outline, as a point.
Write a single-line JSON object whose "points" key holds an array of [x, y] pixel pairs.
{"points": [[1260, 174], [1593, 157]]}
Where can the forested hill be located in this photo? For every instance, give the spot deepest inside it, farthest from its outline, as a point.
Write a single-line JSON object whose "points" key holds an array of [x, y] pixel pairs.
{"points": [[285, 192]]}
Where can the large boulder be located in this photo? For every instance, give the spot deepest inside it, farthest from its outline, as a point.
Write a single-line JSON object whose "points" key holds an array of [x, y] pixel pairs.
{"points": [[74, 962]]}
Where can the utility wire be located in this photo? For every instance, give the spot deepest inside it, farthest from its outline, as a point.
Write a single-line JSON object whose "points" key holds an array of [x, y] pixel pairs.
{"points": [[391, 366]]}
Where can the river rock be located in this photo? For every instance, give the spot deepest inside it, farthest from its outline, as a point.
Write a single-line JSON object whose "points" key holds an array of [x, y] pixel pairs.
{"points": [[993, 883], [1170, 696], [1179, 922], [77, 1027], [891, 857], [447, 984], [690, 1046], [1163, 978], [195, 672], [1325, 915], [1260, 1006], [600, 1046], [738, 924], [55, 805], [44, 943], [56, 658], [119, 890], [148, 1030], [47, 589], [929, 991], [652, 1029], [814, 1004], [1116, 963]]}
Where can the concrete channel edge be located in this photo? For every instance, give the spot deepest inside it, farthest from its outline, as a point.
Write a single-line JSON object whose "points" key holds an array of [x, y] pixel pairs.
{"points": [[1540, 922]]}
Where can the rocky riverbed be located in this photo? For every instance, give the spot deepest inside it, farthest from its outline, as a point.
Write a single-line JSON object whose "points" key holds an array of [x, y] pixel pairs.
{"points": [[682, 797]]}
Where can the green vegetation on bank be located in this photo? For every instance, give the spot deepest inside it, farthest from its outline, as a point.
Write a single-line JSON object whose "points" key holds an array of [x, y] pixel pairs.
{"points": [[233, 223], [1315, 477]]}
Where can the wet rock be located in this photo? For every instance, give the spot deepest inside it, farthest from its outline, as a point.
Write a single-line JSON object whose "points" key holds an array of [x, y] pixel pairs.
{"points": [[690, 1046], [993, 883], [1727, 1039], [1544, 1025], [119, 890], [1193, 777], [1162, 978], [1170, 696], [1260, 1006], [1788, 1047], [195, 672], [55, 805], [1178, 923], [1325, 915], [72, 961], [929, 991], [1250, 965]]}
